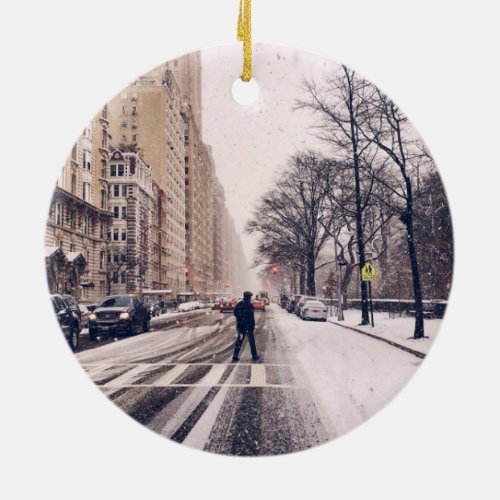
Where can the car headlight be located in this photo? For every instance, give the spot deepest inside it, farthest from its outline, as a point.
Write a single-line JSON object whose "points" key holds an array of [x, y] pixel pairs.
{"points": [[124, 315], [92, 317]]}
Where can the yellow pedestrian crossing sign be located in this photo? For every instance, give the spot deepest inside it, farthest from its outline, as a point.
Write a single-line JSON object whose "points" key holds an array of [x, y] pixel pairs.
{"points": [[368, 272]]}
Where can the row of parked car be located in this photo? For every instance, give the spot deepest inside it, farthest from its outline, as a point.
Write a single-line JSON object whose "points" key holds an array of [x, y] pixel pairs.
{"points": [[115, 314], [228, 305], [304, 306]]}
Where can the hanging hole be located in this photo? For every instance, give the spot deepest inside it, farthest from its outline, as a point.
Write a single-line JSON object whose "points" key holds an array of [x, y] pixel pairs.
{"points": [[245, 93]]}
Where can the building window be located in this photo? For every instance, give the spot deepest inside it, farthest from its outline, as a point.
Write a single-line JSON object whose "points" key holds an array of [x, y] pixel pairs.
{"points": [[124, 277], [101, 259], [104, 140], [124, 190], [101, 230], [103, 198], [115, 234], [124, 235], [116, 212], [73, 183], [86, 160], [58, 214], [123, 124], [121, 169], [71, 247], [86, 191], [112, 171], [124, 212], [116, 190], [108, 236], [71, 219], [115, 278]]}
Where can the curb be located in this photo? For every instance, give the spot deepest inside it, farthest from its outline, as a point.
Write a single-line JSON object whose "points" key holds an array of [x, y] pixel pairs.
{"points": [[418, 354]]}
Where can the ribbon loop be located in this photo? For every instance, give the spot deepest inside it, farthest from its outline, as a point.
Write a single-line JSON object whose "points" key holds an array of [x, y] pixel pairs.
{"points": [[245, 36]]}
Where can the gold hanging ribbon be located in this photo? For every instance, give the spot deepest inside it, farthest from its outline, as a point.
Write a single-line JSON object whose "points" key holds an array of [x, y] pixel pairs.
{"points": [[245, 36]]}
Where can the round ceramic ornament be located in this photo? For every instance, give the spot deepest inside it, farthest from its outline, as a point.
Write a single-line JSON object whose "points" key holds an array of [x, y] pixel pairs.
{"points": [[306, 186]]}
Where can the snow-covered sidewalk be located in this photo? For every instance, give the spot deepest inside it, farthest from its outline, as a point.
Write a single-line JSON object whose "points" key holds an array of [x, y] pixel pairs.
{"points": [[397, 329]]}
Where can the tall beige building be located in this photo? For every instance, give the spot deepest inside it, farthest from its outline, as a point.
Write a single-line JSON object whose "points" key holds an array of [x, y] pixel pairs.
{"points": [[160, 116], [147, 114]]}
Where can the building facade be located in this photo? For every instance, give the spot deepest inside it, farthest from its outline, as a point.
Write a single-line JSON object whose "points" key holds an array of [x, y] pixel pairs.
{"points": [[130, 236], [147, 116], [75, 237]]}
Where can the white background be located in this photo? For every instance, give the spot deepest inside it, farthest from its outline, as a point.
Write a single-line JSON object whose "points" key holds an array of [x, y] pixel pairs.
{"points": [[61, 60]]}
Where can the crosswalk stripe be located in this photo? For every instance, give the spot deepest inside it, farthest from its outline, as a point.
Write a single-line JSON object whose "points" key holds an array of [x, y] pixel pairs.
{"points": [[258, 375], [213, 376], [210, 379], [170, 376], [127, 377]]}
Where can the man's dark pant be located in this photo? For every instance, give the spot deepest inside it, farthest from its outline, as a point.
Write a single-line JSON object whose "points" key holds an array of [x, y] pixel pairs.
{"points": [[239, 341]]}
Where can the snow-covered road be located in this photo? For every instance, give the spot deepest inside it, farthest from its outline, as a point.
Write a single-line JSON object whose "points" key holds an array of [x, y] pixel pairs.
{"points": [[314, 382], [350, 376]]}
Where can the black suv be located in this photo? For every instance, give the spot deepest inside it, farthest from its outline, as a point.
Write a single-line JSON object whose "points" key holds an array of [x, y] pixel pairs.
{"points": [[125, 314], [68, 321]]}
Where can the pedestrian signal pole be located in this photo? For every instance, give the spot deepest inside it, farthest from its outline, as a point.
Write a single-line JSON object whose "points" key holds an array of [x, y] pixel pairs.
{"points": [[371, 301], [369, 273]]}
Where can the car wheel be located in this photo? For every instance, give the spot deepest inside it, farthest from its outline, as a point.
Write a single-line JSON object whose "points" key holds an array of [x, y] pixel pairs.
{"points": [[93, 334], [73, 338]]}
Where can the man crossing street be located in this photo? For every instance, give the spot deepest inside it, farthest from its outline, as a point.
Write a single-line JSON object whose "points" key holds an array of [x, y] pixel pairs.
{"points": [[245, 325]]}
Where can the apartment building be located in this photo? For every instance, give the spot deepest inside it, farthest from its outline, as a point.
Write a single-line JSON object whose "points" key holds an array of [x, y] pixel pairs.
{"points": [[75, 237]]}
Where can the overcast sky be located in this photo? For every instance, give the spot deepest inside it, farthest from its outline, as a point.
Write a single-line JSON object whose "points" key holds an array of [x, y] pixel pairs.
{"points": [[250, 144]]}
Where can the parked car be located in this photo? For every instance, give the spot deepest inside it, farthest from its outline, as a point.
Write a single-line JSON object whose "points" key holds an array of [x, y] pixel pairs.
{"points": [[67, 321], [120, 314], [74, 308], [284, 299], [216, 304], [314, 309], [300, 304], [85, 313], [259, 305], [227, 305], [190, 306], [291, 303]]}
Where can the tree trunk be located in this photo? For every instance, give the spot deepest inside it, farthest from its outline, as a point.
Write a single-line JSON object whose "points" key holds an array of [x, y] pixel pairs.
{"points": [[365, 320], [311, 278], [417, 290], [302, 281]]}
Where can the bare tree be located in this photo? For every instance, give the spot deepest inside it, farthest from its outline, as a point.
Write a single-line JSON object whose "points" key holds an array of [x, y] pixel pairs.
{"points": [[407, 157], [292, 219], [118, 262], [342, 105]]}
